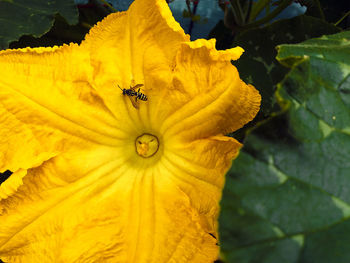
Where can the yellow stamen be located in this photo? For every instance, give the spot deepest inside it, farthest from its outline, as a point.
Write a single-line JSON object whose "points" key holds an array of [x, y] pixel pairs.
{"points": [[146, 145]]}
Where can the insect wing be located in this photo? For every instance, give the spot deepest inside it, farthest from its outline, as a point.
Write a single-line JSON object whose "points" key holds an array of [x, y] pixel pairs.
{"points": [[134, 102], [137, 86]]}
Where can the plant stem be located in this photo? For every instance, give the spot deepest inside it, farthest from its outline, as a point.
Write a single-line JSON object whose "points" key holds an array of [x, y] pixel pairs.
{"points": [[257, 10], [109, 5], [270, 16], [319, 9], [86, 25], [195, 4], [341, 19], [188, 4], [237, 12], [247, 11]]}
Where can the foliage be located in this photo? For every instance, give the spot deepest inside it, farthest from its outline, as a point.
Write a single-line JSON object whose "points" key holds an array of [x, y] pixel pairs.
{"points": [[258, 64], [287, 195], [31, 17]]}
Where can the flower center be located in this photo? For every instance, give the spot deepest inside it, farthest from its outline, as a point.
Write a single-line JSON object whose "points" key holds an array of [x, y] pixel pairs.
{"points": [[146, 145]]}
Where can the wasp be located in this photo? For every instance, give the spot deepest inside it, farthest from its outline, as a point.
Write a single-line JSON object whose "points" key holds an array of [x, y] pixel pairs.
{"points": [[134, 95]]}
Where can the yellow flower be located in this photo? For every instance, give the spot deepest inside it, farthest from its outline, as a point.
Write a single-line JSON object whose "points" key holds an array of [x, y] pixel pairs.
{"points": [[96, 179]]}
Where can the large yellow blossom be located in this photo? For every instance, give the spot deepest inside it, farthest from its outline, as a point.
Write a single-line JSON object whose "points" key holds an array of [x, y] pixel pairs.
{"points": [[96, 179]]}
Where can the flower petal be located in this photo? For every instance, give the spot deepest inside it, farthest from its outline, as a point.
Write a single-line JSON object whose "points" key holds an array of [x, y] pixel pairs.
{"points": [[199, 168], [12, 183], [126, 46], [64, 208], [89, 206], [46, 102], [205, 96], [87, 196]]}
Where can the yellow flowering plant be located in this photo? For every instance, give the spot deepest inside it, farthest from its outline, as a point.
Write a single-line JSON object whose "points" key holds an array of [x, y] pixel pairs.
{"points": [[98, 179]]}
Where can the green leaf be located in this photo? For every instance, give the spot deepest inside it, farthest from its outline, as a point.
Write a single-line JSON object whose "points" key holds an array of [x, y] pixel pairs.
{"points": [[258, 64], [186, 13], [196, 18], [287, 195], [32, 17]]}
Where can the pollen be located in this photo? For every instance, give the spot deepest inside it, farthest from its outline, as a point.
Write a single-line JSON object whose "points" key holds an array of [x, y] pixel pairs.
{"points": [[146, 145]]}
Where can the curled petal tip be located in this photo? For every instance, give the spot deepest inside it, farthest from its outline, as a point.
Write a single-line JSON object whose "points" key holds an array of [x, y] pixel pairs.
{"points": [[218, 55], [228, 54]]}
